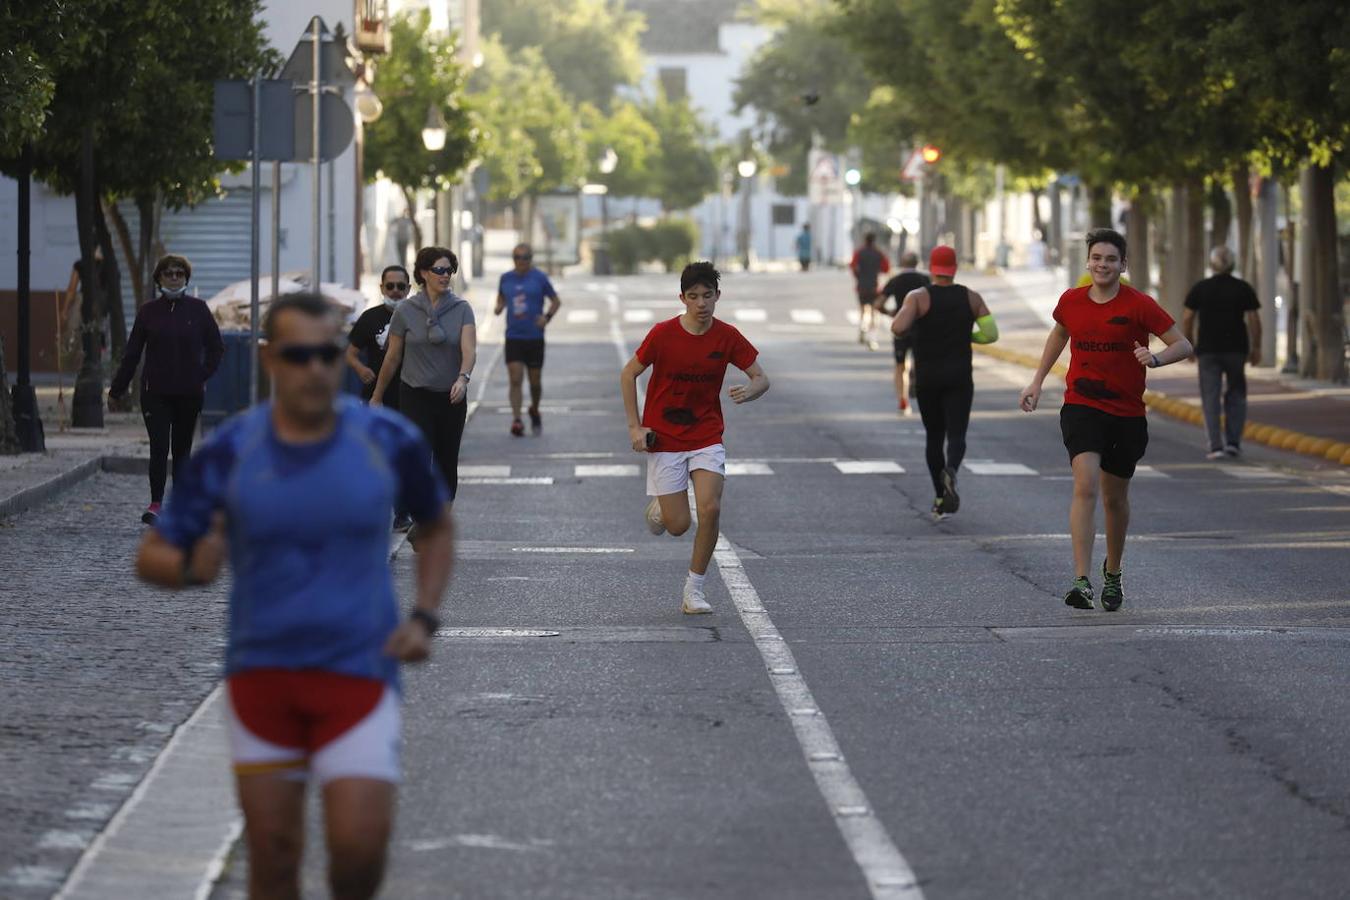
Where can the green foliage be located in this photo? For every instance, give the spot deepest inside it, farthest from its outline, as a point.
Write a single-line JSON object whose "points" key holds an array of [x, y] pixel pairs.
{"points": [[670, 242], [420, 72], [531, 136], [634, 141], [36, 41], [685, 169], [592, 46]]}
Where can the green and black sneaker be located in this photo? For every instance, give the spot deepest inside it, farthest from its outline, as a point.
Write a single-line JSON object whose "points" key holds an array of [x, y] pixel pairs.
{"points": [[939, 509], [1080, 595], [1112, 594]]}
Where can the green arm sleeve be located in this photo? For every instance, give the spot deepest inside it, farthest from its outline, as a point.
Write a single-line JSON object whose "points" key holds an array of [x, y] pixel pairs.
{"points": [[986, 330]]}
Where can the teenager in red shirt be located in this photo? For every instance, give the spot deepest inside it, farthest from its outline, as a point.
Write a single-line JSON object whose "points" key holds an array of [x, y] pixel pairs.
{"points": [[680, 427], [1108, 325]]}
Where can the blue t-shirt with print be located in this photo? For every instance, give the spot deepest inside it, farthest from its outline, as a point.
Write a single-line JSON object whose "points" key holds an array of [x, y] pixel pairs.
{"points": [[308, 528], [525, 302]]}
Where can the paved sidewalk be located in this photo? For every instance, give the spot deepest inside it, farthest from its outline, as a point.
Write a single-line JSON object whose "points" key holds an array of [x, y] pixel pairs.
{"points": [[1308, 417]]}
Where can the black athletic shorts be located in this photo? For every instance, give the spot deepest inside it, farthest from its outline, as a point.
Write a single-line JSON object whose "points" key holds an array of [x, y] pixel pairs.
{"points": [[866, 296], [903, 345], [529, 352], [1120, 440]]}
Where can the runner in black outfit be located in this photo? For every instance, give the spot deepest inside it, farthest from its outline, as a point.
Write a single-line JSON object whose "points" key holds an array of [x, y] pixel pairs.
{"points": [[943, 317]]}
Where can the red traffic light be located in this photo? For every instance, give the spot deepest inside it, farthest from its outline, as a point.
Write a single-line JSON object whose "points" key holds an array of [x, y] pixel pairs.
{"points": [[931, 153]]}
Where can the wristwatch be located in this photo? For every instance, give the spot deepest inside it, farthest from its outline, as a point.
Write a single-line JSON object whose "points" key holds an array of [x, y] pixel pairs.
{"points": [[465, 376], [427, 620]]}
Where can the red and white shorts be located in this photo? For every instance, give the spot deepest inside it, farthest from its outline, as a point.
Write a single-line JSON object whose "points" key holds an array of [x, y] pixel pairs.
{"points": [[298, 723]]}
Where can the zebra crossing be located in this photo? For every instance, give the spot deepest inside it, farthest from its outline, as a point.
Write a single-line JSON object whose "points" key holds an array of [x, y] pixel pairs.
{"points": [[561, 467], [643, 313]]}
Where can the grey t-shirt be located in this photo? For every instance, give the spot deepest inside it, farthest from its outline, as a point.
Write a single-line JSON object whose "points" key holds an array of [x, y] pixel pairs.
{"points": [[427, 365]]}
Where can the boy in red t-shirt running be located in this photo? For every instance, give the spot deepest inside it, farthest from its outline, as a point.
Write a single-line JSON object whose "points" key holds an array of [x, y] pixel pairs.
{"points": [[1102, 420], [681, 423]]}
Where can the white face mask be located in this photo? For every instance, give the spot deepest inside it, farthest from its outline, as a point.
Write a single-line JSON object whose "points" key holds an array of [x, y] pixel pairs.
{"points": [[390, 302], [174, 293]]}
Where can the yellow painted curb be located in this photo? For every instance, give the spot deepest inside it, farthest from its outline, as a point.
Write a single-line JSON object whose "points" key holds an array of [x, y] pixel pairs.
{"points": [[1270, 435]]}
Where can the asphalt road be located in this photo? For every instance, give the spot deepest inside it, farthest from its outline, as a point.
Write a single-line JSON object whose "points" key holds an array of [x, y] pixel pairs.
{"points": [[1190, 745]]}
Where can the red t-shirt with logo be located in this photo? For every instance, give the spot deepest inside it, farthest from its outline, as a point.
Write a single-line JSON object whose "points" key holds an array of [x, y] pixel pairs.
{"points": [[1103, 372], [684, 405]]}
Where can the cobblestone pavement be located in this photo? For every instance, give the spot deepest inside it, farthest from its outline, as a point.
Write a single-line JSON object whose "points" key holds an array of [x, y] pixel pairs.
{"points": [[98, 670]]}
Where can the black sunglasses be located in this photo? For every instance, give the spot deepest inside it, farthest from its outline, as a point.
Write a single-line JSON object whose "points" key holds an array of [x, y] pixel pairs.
{"points": [[173, 273], [522, 256], [301, 354], [440, 270], [396, 285]]}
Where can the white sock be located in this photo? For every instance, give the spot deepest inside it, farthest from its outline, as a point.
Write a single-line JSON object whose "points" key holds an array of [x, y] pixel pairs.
{"points": [[696, 580]]}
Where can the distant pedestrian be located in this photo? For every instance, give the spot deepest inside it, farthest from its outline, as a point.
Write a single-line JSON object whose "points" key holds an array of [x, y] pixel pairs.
{"points": [[944, 319], [521, 293], [1108, 324], [804, 246], [680, 426], [433, 339], [297, 492], [867, 265], [403, 235], [1230, 337], [909, 278], [182, 347]]}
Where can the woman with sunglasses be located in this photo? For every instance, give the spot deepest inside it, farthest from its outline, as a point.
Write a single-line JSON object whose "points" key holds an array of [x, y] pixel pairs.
{"points": [[182, 348], [433, 338]]}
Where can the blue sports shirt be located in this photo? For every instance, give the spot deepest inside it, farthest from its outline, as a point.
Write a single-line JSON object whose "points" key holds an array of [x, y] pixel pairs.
{"points": [[525, 302], [308, 528]]}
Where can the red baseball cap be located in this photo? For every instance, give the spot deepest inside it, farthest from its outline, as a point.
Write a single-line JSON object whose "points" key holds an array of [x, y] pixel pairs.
{"points": [[942, 261]]}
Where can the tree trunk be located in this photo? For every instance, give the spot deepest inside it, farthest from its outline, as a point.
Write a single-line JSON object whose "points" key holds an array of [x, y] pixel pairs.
{"points": [[1194, 260], [1223, 215], [1173, 287], [87, 403], [1322, 306], [117, 318], [1242, 193], [129, 255], [150, 248], [1136, 227], [9, 437], [1099, 206], [411, 201], [1055, 239]]}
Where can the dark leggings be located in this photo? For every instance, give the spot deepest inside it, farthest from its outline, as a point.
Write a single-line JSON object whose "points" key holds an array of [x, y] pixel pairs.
{"points": [[441, 423], [171, 422], [946, 415]]}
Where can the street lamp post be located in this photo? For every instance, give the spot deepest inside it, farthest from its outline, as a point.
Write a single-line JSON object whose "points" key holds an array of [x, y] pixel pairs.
{"points": [[433, 138], [746, 168], [608, 163]]}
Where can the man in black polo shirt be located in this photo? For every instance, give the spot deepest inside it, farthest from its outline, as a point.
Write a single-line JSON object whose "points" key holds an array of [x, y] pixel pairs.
{"points": [[909, 278], [371, 332], [1230, 337]]}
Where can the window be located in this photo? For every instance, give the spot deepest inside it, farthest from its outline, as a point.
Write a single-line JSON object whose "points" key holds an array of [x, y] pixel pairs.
{"points": [[784, 214], [674, 81]]}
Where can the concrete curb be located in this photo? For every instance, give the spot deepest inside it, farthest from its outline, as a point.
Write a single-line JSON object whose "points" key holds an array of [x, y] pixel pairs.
{"points": [[34, 496], [1270, 435]]}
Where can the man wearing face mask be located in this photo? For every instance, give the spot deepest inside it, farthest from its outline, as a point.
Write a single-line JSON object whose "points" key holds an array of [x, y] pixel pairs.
{"points": [[182, 348], [370, 336]]}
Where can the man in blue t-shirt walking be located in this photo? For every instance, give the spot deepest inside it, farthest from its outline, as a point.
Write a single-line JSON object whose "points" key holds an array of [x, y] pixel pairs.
{"points": [[521, 294], [299, 492]]}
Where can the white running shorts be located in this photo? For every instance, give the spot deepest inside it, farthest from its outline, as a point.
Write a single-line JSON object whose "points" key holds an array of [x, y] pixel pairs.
{"points": [[668, 471]]}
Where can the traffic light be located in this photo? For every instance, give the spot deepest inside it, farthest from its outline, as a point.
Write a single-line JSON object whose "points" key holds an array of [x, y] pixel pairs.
{"points": [[931, 153]]}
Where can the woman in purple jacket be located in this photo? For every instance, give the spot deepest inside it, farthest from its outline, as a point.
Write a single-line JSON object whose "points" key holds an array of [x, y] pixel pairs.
{"points": [[182, 348]]}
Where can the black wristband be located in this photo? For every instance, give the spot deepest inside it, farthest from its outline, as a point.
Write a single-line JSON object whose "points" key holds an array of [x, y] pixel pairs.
{"points": [[426, 620]]}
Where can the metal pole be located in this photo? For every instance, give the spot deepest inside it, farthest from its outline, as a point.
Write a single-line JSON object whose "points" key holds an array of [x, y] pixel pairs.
{"points": [[27, 419], [1269, 256], [332, 224], [315, 270], [276, 228], [255, 221]]}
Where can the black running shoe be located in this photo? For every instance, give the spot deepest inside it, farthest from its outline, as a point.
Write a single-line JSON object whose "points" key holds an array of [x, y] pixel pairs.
{"points": [[517, 428], [151, 514], [950, 501], [1112, 593], [1080, 595], [536, 422]]}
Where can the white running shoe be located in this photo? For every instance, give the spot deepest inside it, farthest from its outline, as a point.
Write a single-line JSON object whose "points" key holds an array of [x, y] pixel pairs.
{"points": [[653, 516], [694, 602]]}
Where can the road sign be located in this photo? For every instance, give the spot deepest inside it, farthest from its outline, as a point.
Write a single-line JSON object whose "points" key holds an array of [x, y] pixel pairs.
{"points": [[337, 126], [914, 166], [823, 184], [333, 68], [232, 120]]}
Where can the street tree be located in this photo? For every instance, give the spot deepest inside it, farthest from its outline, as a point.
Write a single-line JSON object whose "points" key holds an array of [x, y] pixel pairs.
{"points": [[685, 168], [421, 73], [635, 142]]}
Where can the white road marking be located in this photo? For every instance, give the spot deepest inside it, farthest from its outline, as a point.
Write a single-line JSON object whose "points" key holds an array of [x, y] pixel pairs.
{"points": [[1255, 473], [750, 314], [1148, 472], [853, 316], [994, 468], [868, 467], [583, 316], [619, 470], [174, 843], [477, 401], [518, 479], [748, 468], [638, 316], [572, 550], [484, 471], [808, 317], [479, 842], [888, 874]]}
